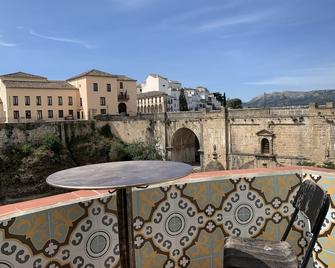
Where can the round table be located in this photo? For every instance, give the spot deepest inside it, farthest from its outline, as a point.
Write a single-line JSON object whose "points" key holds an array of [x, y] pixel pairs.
{"points": [[121, 176]]}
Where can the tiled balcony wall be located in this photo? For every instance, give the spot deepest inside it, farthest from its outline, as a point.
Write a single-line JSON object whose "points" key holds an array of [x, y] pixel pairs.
{"points": [[176, 225]]}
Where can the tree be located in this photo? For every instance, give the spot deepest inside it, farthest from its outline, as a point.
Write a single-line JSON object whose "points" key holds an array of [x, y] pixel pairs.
{"points": [[221, 98], [224, 101], [234, 103], [182, 101]]}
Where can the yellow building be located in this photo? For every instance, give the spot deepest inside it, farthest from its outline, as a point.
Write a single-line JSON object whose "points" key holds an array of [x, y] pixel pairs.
{"points": [[26, 98], [105, 93]]}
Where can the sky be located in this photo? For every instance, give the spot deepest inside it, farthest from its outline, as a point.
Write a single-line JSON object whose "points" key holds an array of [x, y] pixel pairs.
{"points": [[241, 47]]}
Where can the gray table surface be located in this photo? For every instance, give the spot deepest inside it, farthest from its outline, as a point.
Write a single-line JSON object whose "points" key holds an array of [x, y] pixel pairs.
{"points": [[119, 174]]}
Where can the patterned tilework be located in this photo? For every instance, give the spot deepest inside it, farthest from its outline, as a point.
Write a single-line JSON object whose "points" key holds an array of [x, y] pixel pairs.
{"points": [[79, 235], [188, 223], [180, 225]]}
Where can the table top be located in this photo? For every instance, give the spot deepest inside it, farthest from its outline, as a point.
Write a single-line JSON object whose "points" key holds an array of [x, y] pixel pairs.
{"points": [[119, 174]]}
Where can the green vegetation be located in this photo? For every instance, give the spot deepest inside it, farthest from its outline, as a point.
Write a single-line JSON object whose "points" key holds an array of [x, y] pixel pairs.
{"points": [[182, 101], [52, 142], [234, 103], [327, 164], [106, 131], [306, 164], [221, 98], [24, 167]]}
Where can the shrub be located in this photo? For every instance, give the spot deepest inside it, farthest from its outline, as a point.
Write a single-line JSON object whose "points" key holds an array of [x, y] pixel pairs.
{"points": [[52, 142], [328, 164], [306, 163], [106, 131], [117, 151], [26, 149], [141, 151]]}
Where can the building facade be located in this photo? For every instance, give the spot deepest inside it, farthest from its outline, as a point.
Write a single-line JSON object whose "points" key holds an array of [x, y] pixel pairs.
{"points": [[152, 102], [27, 98], [197, 99], [105, 93]]}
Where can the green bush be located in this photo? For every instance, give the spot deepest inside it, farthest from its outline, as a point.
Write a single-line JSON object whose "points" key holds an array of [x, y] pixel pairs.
{"points": [[26, 149], [306, 163], [117, 151], [106, 131], [328, 164], [142, 151], [52, 142]]}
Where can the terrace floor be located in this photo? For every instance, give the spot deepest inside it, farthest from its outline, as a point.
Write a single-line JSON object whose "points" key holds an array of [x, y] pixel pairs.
{"points": [[176, 225]]}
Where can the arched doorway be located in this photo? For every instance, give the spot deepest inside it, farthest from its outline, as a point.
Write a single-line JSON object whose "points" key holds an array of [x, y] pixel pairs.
{"points": [[185, 147], [122, 108]]}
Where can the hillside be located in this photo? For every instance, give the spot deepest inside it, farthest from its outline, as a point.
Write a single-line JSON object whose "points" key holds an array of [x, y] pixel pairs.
{"points": [[291, 98]]}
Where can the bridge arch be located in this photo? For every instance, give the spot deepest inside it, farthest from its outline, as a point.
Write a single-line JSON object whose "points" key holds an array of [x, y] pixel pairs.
{"points": [[185, 147]]}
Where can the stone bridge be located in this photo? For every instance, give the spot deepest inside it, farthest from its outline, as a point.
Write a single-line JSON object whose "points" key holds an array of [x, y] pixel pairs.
{"points": [[244, 138], [226, 139], [191, 137]]}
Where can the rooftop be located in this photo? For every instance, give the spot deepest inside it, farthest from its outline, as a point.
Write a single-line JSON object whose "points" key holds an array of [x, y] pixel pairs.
{"points": [[38, 84], [151, 94], [184, 222], [99, 73], [22, 75]]}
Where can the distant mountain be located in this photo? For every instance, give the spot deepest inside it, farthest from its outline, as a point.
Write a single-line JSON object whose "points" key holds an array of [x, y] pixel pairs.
{"points": [[291, 98]]}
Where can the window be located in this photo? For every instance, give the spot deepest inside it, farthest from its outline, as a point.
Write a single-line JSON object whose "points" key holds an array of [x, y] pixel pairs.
{"points": [[60, 100], [102, 101], [265, 146], [38, 100], [27, 100], [109, 87], [15, 100], [81, 101], [121, 85], [95, 86], [103, 111], [71, 112], [49, 100], [60, 114], [28, 114], [50, 113], [70, 100], [16, 114], [39, 115]]}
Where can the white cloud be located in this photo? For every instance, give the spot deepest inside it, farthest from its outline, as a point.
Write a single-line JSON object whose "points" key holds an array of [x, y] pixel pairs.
{"points": [[61, 39], [241, 19], [318, 77], [6, 44]]}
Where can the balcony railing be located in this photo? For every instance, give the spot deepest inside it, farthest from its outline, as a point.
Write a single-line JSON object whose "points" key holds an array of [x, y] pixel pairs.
{"points": [[123, 96], [176, 225]]}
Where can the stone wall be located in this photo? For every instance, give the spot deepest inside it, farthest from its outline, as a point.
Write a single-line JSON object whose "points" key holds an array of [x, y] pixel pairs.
{"points": [[21, 133], [298, 134], [295, 134]]}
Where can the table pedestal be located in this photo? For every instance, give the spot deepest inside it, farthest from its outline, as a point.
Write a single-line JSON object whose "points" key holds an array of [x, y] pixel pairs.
{"points": [[125, 226]]}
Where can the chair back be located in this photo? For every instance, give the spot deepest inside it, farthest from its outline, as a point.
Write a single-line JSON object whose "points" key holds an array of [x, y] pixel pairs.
{"points": [[313, 201], [309, 200]]}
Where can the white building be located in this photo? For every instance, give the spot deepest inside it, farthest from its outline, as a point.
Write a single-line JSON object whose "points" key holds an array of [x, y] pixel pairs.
{"points": [[197, 99]]}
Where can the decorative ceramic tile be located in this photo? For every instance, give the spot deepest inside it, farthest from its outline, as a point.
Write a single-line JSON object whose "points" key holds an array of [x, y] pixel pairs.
{"points": [[175, 226]]}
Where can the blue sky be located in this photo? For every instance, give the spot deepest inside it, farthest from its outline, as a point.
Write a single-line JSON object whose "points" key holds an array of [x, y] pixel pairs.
{"points": [[241, 47]]}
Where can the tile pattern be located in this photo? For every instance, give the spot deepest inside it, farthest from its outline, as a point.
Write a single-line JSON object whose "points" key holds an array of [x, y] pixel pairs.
{"points": [[181, 225], [80, 235]]}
